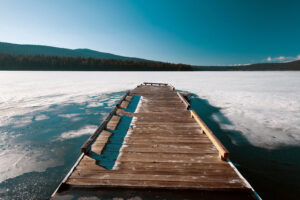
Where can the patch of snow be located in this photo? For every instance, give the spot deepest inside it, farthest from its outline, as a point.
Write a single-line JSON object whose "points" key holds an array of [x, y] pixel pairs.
{"points": [[87, 130]]}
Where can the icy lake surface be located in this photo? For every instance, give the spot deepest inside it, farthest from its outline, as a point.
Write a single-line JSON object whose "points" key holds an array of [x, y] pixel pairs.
{"points": [[46, 116]]}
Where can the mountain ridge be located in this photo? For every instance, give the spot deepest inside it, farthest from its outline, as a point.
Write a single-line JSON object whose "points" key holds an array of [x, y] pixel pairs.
{"points": [[32, 50]]}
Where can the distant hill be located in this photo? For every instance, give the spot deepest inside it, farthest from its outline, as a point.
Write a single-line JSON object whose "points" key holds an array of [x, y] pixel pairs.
{"points": [[55, 63], [32, 50]]}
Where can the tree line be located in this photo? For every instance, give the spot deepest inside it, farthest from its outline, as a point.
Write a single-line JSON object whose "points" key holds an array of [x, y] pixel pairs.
{"points": [[49, 63], [56, 63]]}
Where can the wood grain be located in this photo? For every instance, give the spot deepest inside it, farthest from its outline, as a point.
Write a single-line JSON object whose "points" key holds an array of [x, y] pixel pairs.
{"points": [[113, 122], [224, 153]]}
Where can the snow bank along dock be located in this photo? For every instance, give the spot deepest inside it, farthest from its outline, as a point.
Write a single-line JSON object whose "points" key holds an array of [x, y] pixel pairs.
{"points": [[152, 139]]}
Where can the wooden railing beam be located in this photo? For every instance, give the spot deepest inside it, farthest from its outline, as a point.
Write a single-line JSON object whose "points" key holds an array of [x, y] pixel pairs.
{"points": [[159, 84], [223, 152], [85, 148], [187, 104]]}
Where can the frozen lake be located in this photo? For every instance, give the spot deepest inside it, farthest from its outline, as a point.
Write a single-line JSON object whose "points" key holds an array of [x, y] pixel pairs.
{"points": [[46, 116]]}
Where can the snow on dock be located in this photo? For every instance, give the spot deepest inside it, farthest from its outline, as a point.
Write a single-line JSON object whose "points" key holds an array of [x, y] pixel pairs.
{"points": [[153, 140]]}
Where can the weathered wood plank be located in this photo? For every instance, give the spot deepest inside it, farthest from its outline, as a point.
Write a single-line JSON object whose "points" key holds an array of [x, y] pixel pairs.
{"points": [[167, 150], [156, 184], [162, 127], [209, 173], [195, 143], [171, 147], [168, 158], [169, 138], [161, 165], [100, 143], [155, 177], [184, 143], [124, 104], [128, 98], [113, 122]]}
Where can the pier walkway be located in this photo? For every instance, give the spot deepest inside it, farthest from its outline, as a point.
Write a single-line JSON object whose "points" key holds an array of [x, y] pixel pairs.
{"points": [[163, 145]]}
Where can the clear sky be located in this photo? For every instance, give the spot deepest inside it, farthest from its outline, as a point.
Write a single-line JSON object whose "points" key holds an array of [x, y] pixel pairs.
{"points": [[208, 32]]}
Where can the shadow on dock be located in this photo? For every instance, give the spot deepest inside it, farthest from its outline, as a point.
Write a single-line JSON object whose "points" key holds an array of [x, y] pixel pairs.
{"points": [[273, 173]]}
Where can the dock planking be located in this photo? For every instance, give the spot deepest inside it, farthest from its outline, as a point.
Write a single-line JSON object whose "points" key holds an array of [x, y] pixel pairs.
{"points": [[113, 123], [165, 147]]}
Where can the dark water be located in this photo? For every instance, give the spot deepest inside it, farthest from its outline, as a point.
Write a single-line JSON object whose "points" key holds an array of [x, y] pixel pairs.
{"points": [[274, 174], [43, 136]]}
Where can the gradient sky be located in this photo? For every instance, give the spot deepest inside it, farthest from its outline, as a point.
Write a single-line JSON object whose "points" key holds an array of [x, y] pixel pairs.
{"points": [[208, 32]]}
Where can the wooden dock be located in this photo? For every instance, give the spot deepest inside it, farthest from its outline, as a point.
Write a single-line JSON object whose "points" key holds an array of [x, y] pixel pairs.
{"points": [[165, 146]]}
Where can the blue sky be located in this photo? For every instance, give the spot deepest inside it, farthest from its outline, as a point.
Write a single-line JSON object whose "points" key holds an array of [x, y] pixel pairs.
{"points": [[210, 32]]}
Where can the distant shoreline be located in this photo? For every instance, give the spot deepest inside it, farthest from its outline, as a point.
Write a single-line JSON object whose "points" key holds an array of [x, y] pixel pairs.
{"points": [[56, 63], [4, 70], [46, 58]]}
